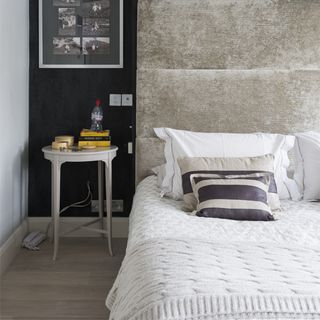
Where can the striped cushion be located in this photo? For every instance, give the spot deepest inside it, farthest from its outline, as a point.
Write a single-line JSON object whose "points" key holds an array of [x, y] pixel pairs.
{"points": [[233, 198], [226, 166]]}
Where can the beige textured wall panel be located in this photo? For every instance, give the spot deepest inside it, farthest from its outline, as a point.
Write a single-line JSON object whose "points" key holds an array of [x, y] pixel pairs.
{"points": [[263, 68], [228, 101], [149, 153], [229, 34]]}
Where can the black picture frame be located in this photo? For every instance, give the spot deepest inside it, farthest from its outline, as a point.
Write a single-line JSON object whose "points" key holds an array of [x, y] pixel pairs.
{"points": [[81, 33]]}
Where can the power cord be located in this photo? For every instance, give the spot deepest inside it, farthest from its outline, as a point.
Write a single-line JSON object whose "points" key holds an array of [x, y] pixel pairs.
{"points": [[81, 204]]}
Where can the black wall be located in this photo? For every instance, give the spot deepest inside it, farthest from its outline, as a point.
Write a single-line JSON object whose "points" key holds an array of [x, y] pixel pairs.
{"points": [[60, 103]]}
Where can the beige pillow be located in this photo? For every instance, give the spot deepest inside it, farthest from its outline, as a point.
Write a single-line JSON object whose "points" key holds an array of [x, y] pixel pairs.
{"points": [[191, 166]]}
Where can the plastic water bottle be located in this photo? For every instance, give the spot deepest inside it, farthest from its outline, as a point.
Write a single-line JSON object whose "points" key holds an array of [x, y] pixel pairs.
{"points": [[96, 117]]}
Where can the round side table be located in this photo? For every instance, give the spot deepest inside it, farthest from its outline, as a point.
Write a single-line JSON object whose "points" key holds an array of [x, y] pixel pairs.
{"points": [[104, 157]]}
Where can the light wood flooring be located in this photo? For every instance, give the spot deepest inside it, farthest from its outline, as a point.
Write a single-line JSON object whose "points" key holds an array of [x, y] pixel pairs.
{"points": [[73, 287]]}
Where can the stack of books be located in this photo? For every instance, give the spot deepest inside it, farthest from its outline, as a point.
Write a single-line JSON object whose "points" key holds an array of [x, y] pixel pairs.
{"points": [[94, 138]]}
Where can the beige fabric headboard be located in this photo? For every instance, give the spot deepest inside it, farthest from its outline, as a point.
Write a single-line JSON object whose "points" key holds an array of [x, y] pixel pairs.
{"points": [[225, 66]]}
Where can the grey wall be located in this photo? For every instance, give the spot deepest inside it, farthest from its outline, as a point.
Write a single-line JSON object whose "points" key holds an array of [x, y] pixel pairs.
{"points": [[14, 106], [226, 66]]}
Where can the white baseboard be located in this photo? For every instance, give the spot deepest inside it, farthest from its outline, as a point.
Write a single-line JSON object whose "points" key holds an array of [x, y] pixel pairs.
{"points": [[11, 247], [119, 226]]}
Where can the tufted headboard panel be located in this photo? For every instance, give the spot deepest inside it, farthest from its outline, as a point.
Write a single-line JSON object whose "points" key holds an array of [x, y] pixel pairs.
{"points": [[225, 66]]}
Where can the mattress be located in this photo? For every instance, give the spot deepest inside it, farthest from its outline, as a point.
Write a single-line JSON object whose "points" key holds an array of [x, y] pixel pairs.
{"points": [[180, 266]]}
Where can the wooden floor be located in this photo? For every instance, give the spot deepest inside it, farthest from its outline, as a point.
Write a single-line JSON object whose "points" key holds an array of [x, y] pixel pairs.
{"points": [[73, 287]]}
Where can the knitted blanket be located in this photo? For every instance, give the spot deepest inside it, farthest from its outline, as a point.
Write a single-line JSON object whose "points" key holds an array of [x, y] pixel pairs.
{"points": [[181, 267], [183, 279]]}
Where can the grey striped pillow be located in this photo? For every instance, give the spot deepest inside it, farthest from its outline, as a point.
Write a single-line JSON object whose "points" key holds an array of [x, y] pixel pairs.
{"points": [[205, 166], [234, 198]]}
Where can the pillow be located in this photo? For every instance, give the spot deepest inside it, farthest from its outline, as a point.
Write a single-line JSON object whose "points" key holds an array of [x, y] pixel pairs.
{"points": [[236, 199], [179, 143], [307, 174], [210, 167], [160, 172]]}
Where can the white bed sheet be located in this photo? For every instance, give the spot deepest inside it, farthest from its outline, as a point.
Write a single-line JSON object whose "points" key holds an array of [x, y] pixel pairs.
{"points": [[154, 217]]}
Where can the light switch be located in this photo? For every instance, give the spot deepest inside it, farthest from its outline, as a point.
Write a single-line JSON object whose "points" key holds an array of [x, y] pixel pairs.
{"points": [[115, 99], [127, 100]]}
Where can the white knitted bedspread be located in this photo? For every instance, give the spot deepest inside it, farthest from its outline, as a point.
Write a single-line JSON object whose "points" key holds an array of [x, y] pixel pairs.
{"points": [[178, 266]]}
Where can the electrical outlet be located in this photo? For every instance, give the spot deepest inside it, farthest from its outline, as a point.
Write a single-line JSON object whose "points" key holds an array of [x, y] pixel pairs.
{"points": [[115, 99], [127, 100], [117, 206]]}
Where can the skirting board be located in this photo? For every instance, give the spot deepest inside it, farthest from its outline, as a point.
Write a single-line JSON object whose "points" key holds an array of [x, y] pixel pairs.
{"points": [[119, 226], [11, 247]]}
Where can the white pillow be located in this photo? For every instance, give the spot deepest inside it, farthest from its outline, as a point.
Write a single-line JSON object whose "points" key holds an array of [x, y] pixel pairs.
{"points": [[180, 143], [307, 174], [160, 172]]}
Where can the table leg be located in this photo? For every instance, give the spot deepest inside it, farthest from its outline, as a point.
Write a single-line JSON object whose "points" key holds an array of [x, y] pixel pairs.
{"points": [[51, 228], [108, 173], [56, 177], [100, 193]]}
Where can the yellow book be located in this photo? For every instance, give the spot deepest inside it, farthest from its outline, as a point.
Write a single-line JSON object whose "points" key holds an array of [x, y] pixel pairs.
{"points": [[95, 143], [88, 133]]}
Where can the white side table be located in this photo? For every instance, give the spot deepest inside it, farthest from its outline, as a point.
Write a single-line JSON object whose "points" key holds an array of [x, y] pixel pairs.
{"points": [[102, 155]]}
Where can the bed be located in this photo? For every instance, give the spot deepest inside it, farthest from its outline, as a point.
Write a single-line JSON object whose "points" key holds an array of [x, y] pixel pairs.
{"points": [[179, 266], [221, 66]]}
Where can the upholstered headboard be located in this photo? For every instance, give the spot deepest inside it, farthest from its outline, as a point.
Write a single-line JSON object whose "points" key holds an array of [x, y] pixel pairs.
{"points": [[225, 66]]}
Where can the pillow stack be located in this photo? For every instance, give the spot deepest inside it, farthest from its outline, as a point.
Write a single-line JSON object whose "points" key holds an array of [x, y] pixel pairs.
{"points": [[180, 143], [233, 176]]}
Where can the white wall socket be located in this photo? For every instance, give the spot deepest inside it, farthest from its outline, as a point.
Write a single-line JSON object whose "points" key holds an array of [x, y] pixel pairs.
{"points": [[127, 100], [115, 99], [117, 205]]}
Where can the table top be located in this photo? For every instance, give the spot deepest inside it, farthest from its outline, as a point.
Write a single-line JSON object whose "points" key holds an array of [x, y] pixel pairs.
{"points": [[79, 152]]}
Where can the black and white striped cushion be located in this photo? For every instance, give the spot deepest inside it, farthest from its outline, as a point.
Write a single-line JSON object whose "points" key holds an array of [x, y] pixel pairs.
{"points": [[204, 166], [234, 198]]}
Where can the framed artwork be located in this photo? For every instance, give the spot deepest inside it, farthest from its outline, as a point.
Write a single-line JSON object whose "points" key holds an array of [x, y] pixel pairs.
{"points": [[81, 33]]}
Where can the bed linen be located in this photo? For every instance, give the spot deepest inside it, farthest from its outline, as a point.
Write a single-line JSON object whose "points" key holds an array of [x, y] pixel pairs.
{"points": [[183, 143], [179, 266]]}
